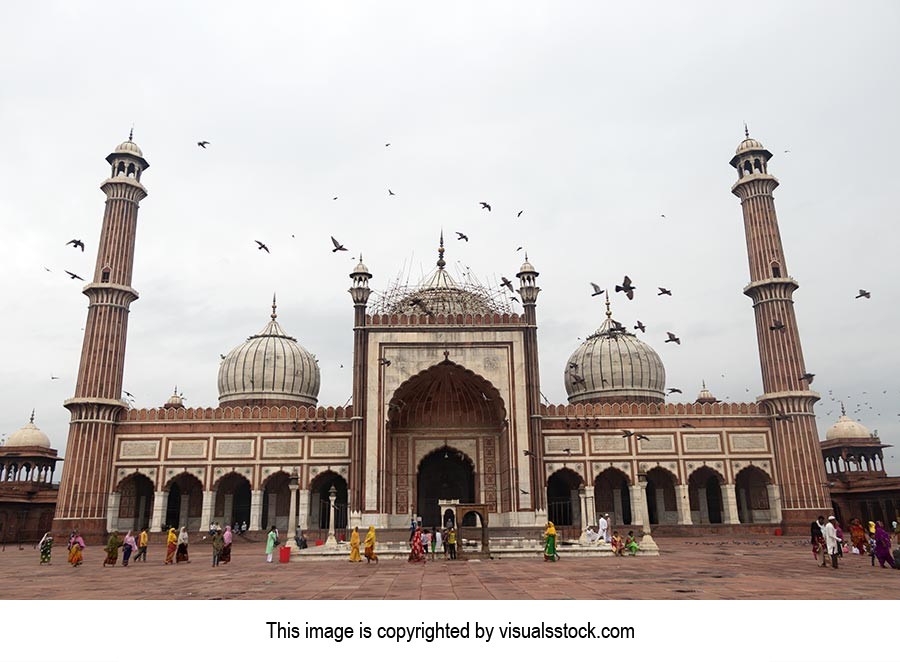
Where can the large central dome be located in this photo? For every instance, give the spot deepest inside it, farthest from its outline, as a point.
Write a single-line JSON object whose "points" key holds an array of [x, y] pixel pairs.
{"points": [[613, 365]]}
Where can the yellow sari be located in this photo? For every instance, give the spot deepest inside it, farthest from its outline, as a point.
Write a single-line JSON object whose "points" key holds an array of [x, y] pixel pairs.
{"points": [[354, 546], [550, 542], [370, 545], [171, 546]]}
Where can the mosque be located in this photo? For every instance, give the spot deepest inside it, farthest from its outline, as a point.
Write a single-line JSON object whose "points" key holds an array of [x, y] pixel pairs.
{"points": [[446, 405]]}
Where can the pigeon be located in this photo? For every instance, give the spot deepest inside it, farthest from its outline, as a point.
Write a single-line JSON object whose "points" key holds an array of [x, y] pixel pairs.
{"points": [[686, 425], [390, 192], [522, 491], [387, 144], [674, 390], [862, 294], [461, 236], [577, 379], [662, 291], [76, 243], [337, 246], [567, 451], [640, 326], [203, 144], [777, 325], [128, 394], [597, 290], [520, 213], [662, 215], [53, 377], [528, 453], [222, 356], [519, 248], [644, 437], [335, 198], [573, 366], [807, 377], [261, 246], [626, 287], [74, 276], [673, 338], [485, 205], [383, 361], [514, 299], [782, 417], [505, 283], [626, 434]]}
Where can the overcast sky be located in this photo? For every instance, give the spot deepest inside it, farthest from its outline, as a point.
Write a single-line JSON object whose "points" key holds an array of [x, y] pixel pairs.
{"points": [[593, 120]]}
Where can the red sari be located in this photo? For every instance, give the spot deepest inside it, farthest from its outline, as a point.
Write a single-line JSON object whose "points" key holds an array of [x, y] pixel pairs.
{"points": [[417, 553], [858, 536]]}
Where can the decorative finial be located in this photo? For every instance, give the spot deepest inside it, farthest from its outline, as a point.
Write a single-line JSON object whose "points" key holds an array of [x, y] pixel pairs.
{"points": [[441, 264], [446, 355], [608, 310], [703, 383], [746, 131], [274, 306], [31, 420], [175, 392], [843, 411], [131, 133]]}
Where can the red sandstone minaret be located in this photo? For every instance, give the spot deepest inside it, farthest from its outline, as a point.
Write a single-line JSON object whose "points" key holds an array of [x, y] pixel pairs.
{"points": [[360, 293], [528, 293], [98, 402], [800, 472]]}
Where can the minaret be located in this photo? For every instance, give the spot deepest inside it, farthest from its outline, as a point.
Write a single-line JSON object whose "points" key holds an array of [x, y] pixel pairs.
{"points": [[360, 292], [528, 294], [800, 472], [97, 404]]}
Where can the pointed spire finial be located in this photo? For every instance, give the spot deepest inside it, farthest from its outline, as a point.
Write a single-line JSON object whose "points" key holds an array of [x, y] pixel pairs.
{"points": [[703, 383], [441, 264], [131, 133], [31, 420], [843, 411], [274, 307], [746, 131], [175, 392], [608, 310]]}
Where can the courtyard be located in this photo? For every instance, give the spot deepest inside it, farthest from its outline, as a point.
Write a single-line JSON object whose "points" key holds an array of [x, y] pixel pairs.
{"points": [[707, 568]]}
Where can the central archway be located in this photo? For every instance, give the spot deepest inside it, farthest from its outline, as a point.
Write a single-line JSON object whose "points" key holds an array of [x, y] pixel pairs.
{"points": [[444, 474]]}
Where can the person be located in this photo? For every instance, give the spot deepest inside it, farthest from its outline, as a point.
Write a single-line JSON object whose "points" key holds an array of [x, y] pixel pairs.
{"points": [[76, 545], [883, 546], [426, 540], [416, 552], [451, 543], [143, 539], [840, 536], [817, 539], [617, 544], [129, 545], [243, 528], [412, 529], [550, 543], [832, 541], [300, 539], [369, 544], [112, 548], [445, 534], [354, 546], [591, 536], [436, 542], [631, 544], [218, 544], [608, 528], [181, 554], [603, 528], [171, 546], [857, 536], [271, 543], [46, 545], [227, 539]]}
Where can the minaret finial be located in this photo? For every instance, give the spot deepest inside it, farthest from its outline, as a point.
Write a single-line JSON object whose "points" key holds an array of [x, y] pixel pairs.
{"points": [[843, 411], [274, 307], [31, 420], [175, 392], [131, 133], [608, 310], [703, 383], [746, 131], [441, 264]]}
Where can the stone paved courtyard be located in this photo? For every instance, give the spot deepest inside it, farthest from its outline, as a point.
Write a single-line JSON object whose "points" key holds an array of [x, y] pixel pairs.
{"points": [[707, 568]]}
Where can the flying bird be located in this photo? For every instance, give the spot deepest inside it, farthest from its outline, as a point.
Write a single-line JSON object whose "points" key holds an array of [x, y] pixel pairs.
{"points": [[662, 291], [662, 215], [461, 236], [782, 417], [567, 451], [514, 299], [686, 425], [335, 198], [807, 377], [128, 394], [644, 437], [485, 205], [203, 144], [626, 434], [53, 377], [863, 294], [387, 144], [626, 287], [528, 453], [523, 491], [577, 379], [337, 246], [383, 361], [597, 290], [519, 248], [74, 276], [674, 390], [261, 246], [504, 282], [573, 366], [673, 338], [640, 326], [390, 192], [520, 213], [77, 243]]}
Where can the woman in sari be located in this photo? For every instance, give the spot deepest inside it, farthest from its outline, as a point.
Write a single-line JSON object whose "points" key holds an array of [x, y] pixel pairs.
{"points": [[112, 548], [129, 546], [227, 539], [271, 544], [617, 544], [354, 546], [858, 536], [550, 543], [76, 544], [181, 554], [883, 546], [417, 552], [46, 545], [631, 544], [171, 546], [369, 544]]}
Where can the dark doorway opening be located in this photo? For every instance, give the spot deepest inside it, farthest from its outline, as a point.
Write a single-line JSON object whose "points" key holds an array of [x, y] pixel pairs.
{"points": [[444, 474]]}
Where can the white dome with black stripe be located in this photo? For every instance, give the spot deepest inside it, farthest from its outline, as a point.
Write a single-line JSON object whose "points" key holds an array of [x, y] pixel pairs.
{"points": [[613, 365], [270, 367]]}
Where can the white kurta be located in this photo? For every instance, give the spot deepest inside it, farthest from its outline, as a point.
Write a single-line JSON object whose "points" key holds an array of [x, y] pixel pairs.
{"points": [[603, 529], [831, 539]]}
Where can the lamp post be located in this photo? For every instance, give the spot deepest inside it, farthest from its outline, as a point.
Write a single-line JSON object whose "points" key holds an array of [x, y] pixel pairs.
{"points": [[647, 542], [294, 485], [331, 541]]}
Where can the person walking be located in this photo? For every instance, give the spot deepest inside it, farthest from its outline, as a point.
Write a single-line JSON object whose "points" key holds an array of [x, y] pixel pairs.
{"points": [[354, 546], [129, 545], [857, 536], [271, 543], [171, 546], [550, 543], [46, 546], [883, 546], [437, 542], [369, 545], [76, 547], [417, 551], [143, 539], [112, 548], [426, 541], [832, 541], [451, 543], [181, 555], [218, 544], [817, 539], [603, 528], [227, 539]]}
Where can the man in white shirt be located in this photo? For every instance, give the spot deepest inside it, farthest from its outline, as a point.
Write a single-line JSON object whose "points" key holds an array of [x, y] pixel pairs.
{"points": [[831, 540], [603, 528]]}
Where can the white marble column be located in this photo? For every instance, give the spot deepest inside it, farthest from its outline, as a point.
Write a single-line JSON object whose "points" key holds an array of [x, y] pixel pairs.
{"points": [[185, 509], [331, 541], [617, 518], [206, 514], [774, 503], [303, 514], [256, 497], [292, 516], [660, 505], [683, 501], [591, 512], [704, 505], [112, 511], [638, 505], [271, 518], [160, 502], [729, 504]]}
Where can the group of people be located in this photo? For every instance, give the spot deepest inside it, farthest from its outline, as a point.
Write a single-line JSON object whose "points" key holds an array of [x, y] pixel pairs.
{"points": [[368, 546], [424, 541], [827, 540]]}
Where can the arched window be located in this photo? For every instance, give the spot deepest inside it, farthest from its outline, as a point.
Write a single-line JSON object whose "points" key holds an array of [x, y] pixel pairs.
{"points": [[776, 269]]}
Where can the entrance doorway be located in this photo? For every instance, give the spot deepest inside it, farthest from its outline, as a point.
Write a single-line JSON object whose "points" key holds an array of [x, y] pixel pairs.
{"points": [[185, 502], [233, 500], [563, 504], [320, 504], [444, 474]]}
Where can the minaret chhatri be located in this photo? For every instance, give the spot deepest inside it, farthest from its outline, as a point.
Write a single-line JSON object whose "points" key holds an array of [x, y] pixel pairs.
{"points": [[800, 472], [97, 402]]}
